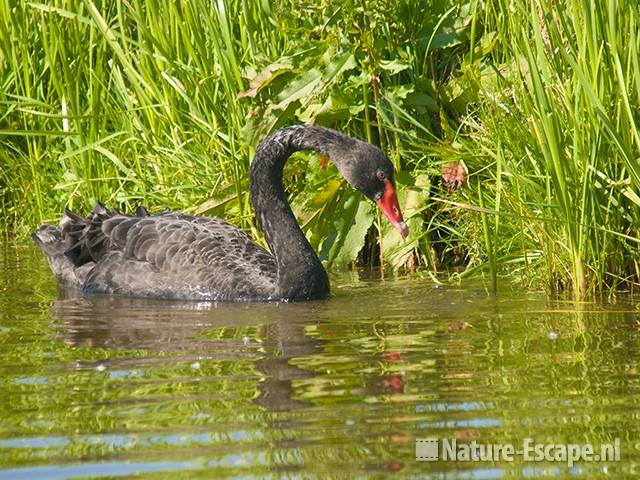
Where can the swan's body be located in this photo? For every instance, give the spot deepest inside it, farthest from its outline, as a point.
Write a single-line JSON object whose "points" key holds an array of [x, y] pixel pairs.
{"points": [[173, 255], [165, 256]]}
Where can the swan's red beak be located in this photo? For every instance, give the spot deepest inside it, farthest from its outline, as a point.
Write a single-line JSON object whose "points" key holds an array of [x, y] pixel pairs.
{"points": [[388, 205]]}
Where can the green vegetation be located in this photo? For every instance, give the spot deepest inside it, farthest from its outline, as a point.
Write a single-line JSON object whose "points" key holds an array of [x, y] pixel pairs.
{"points": [[163, 103]]}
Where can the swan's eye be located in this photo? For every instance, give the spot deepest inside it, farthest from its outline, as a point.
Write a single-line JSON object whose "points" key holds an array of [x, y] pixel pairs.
{"points": [[381, 175]]}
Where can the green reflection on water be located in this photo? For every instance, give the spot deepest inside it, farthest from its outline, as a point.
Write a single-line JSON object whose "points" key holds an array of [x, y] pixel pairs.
{"points": [[343, 387]]}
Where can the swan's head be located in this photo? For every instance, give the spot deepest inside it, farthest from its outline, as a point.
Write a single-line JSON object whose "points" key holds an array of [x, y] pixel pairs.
{"points": [[369, 170]]}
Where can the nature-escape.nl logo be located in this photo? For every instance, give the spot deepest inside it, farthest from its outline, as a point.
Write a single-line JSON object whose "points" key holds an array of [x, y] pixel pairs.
{"points": [[450, 450]]}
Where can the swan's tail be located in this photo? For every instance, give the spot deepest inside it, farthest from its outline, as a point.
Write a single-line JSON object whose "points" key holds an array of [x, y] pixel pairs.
{"points": [[49, 239], [73, 249], [52, 243]]}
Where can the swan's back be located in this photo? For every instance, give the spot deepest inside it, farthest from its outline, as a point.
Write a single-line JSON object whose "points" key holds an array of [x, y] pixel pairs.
{"points": [[170, 255]]}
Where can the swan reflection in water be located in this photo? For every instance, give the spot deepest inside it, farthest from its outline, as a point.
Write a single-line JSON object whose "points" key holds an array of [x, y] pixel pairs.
{"points": [[266, 336], [180, 329]]}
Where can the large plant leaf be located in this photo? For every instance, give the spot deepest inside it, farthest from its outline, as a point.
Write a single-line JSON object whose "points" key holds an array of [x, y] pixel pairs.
{"points": [[347, 229], [413, 194]]}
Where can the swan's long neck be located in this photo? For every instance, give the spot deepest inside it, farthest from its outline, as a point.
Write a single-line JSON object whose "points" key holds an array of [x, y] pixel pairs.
{"points": [[300, 273]]}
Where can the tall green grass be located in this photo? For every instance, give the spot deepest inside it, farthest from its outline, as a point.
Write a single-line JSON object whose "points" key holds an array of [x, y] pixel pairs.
{"points": [[559, 126], [163, 103]]}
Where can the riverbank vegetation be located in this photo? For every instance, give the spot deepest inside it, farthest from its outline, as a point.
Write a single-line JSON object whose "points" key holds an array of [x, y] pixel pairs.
{"points": [[163, 104]]}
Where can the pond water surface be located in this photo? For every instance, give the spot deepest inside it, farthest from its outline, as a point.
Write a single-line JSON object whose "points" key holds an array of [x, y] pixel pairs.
{"points": [[341, 388]]}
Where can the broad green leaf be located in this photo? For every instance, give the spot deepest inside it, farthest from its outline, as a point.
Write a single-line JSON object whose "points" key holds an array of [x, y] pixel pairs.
{"points": [[393, 66], [348, 227], [265, 77], [412, 195], [301, 87], [353, 242]]}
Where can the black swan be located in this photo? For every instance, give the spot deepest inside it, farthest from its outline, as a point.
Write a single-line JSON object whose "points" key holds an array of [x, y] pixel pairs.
{"points": [[178, 256]]}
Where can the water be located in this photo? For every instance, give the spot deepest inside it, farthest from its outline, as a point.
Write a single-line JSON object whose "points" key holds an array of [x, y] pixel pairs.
{"points": [[109, 387]]}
